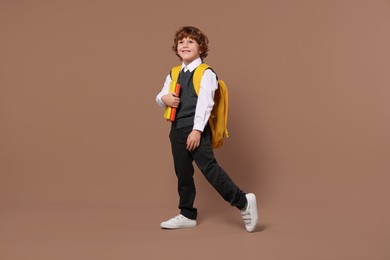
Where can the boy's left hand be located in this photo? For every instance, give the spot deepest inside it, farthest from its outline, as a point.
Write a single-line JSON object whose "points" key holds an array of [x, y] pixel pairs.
{"points": [[193, 140]]}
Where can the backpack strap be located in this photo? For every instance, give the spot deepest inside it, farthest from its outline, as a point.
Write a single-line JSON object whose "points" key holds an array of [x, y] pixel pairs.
{"points": [[198, 74], [175, 73]]}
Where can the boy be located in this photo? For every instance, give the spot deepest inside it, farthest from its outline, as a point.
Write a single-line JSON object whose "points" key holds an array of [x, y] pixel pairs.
{"points": [[190, 134]]}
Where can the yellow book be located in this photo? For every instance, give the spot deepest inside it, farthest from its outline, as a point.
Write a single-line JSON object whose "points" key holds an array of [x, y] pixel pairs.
{"points": [[168, 110]]}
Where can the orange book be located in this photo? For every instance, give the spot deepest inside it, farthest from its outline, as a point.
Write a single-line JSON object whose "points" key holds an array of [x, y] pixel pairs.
{"points": [[173, 111]]}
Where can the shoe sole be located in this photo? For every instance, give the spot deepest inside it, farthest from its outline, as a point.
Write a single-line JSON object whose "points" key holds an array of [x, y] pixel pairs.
{"points": [[253, 211], [164, 226]]}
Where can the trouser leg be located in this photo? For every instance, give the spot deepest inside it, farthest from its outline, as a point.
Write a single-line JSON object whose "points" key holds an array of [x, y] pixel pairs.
{"points": [[184, 171], [216, 176]]}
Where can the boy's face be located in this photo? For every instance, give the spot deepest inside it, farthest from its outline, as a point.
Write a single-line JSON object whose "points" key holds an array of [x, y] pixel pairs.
{"points": [[188, 50]]}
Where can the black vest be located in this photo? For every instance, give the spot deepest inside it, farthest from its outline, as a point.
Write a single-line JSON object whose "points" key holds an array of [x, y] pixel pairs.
{"points": [[185, 113]]}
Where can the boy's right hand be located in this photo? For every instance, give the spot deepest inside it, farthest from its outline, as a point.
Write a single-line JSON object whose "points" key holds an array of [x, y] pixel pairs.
{"points": [[171, 100]]}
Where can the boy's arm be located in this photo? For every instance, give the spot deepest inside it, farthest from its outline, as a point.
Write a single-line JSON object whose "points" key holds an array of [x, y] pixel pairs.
{"points": [[163, 92], [208, 85]]}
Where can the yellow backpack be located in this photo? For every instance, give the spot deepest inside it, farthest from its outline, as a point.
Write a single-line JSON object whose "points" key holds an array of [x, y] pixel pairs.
{"points": [[219, 114]]}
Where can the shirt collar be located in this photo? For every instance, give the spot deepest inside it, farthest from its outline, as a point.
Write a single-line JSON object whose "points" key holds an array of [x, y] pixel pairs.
{"points": [[193, 65]]}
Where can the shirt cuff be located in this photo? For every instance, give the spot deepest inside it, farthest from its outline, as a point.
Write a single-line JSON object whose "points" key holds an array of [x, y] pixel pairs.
{"points": [[198, 127], [160, 102]]}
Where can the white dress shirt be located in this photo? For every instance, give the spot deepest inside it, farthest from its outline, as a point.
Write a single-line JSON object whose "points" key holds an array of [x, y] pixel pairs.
{"points": [[204, 105]]}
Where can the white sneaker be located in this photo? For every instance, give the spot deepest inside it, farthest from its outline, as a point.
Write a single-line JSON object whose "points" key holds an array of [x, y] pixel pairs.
{"points": [[249, 213], [178, 222]]}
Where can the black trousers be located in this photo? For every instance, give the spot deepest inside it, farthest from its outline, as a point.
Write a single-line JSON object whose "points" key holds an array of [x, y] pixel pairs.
{"points": [[205, 160]]}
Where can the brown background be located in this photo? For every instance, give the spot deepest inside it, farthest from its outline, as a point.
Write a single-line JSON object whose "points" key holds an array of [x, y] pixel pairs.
{"points": [[86, 170]]}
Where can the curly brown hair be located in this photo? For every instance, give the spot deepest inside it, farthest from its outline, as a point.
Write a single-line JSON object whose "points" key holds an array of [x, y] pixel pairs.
{"points": [[195, 34]]}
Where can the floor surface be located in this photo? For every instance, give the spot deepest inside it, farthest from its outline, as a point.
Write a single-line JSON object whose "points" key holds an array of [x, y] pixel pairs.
{"points": [[117, 232]]}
